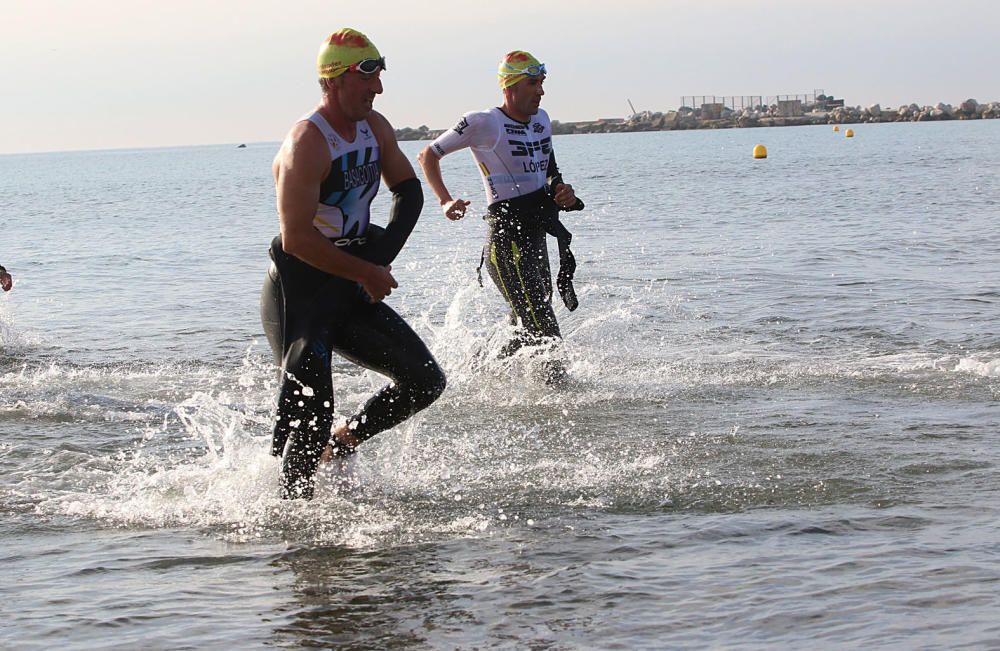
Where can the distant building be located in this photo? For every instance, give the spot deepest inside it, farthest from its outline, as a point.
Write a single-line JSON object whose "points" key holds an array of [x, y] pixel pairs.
{"points": [[784, 105], [712, 111], [827, 103], [790, 108]]}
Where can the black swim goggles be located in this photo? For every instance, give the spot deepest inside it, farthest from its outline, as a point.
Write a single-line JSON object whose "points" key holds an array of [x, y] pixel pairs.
{"points": [[535, 70], [368, 66]]}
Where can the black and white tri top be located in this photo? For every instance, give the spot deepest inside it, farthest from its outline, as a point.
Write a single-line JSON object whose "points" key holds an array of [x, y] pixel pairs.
{"points": [[513, 157], [355, 173]]}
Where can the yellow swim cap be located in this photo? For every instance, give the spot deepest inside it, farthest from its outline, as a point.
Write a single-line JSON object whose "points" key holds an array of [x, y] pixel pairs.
{"points": [[342, 49], [517, 65]]}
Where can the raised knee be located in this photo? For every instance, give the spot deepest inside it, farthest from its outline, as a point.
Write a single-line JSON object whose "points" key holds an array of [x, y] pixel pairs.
{"points": [[431, 384]]}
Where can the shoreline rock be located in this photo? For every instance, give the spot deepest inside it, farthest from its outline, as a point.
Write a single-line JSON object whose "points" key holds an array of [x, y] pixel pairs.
{"points": [[686, 118]]}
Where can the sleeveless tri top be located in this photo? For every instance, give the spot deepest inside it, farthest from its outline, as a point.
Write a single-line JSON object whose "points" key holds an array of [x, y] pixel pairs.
{"points": [[355, 173], [512, 156]]}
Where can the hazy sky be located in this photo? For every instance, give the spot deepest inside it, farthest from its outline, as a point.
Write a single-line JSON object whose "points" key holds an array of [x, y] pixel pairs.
{"points": [[94, 74]]}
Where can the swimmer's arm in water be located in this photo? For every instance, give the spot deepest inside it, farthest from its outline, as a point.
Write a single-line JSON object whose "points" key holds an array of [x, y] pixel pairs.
{"points": [[299, 170], [562, 193], [407, 195], [430, 163]]}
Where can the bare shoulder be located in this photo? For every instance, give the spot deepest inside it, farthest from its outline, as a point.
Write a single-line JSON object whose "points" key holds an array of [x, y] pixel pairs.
{"points": [[303, 150], [383, 130]]}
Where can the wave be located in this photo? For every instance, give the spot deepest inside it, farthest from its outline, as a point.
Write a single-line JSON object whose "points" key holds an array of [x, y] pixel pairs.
{"points": [[988, 368]]}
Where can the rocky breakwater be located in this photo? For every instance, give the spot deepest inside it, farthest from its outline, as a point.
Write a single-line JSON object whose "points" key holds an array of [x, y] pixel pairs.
{"points": [[726, 118], [420, 133], [970, 109]]}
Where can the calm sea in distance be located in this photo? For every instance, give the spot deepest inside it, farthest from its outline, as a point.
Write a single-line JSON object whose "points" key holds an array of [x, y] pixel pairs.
{"points": [[781, 426]]}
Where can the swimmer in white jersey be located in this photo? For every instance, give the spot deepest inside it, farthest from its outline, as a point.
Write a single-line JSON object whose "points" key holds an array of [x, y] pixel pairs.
{"points": [[512, 146]]}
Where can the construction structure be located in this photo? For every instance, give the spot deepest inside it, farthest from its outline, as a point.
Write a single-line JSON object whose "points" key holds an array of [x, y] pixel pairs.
{"points": [[784, 105]]}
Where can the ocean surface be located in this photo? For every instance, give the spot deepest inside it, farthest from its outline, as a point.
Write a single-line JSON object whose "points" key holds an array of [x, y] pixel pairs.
{"points": [[781, 426]]}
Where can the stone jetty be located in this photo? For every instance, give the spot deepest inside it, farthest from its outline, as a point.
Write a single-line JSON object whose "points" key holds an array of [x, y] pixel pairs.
{"points": [[726, 118]]}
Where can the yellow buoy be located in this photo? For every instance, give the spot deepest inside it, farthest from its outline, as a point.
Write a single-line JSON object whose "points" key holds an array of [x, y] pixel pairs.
{"points": [[836, 127], [849, 133], [760, 151]]}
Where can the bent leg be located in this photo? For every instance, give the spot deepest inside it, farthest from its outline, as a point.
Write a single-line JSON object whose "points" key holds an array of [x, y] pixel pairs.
{"points": [[380, 340]]}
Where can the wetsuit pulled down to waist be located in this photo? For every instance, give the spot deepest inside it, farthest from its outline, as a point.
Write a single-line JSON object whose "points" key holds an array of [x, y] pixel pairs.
{"points": [[518, 261], [308, 315]]}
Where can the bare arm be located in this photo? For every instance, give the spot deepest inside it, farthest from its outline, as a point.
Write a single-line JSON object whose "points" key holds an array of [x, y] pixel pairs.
{"points": [[299, 169], [431, 165], [396, 167]]}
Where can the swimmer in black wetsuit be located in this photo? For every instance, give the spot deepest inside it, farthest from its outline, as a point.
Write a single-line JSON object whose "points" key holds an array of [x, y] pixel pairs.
{"points": [[512, 145], [331, 269], [6, 282]]}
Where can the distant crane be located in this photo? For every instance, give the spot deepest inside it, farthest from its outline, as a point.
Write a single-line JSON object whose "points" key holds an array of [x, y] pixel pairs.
{"points": [[630, 105]]}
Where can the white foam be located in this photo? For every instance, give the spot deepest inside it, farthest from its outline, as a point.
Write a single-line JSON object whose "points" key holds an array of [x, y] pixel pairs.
{"points": [[11, 337], [989, 368]]}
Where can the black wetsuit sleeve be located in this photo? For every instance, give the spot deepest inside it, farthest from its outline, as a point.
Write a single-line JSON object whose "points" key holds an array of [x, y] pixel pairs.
{"points": [[553, 175], [554, 178], [385, 244]]}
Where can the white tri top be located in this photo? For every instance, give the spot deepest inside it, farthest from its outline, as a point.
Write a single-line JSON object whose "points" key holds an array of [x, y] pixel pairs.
{"points": [[512, 156], [346, 194]]}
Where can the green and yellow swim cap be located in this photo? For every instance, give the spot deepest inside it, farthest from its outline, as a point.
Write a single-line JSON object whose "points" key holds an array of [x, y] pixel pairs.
{"points": [[517, 65], [342, 49]]}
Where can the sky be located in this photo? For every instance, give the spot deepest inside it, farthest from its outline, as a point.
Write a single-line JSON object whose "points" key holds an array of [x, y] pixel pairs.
{"points": [[104, 74]]}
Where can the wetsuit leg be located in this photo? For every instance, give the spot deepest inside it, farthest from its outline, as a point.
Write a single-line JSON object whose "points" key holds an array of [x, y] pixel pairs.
{"points": [[299, 333], [518, 263], [380, 340], [272, 315], [307, 325]]}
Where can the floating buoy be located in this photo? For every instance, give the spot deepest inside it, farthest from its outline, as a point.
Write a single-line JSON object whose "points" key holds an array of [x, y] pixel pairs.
{"points": [[849, 133], [760, 151], [836, 127]]}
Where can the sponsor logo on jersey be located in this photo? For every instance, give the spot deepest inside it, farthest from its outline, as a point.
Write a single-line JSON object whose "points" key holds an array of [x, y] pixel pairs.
{"points": [[530, 147], [439, 149], [349, 241], [515, 132], [363, 175], [462, 125], [537, 127], [533, 166]]}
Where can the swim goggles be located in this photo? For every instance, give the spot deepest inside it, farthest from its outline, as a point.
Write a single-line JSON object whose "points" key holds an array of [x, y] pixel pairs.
{"points": [[368, 66], [535, 70]]}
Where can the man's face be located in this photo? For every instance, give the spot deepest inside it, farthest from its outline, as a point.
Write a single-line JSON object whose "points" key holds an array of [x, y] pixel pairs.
{"points": [[526, 95], [356, 93]]}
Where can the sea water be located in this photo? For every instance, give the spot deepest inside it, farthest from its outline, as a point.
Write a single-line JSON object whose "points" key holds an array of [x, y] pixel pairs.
{"points": [[781, 423]]}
